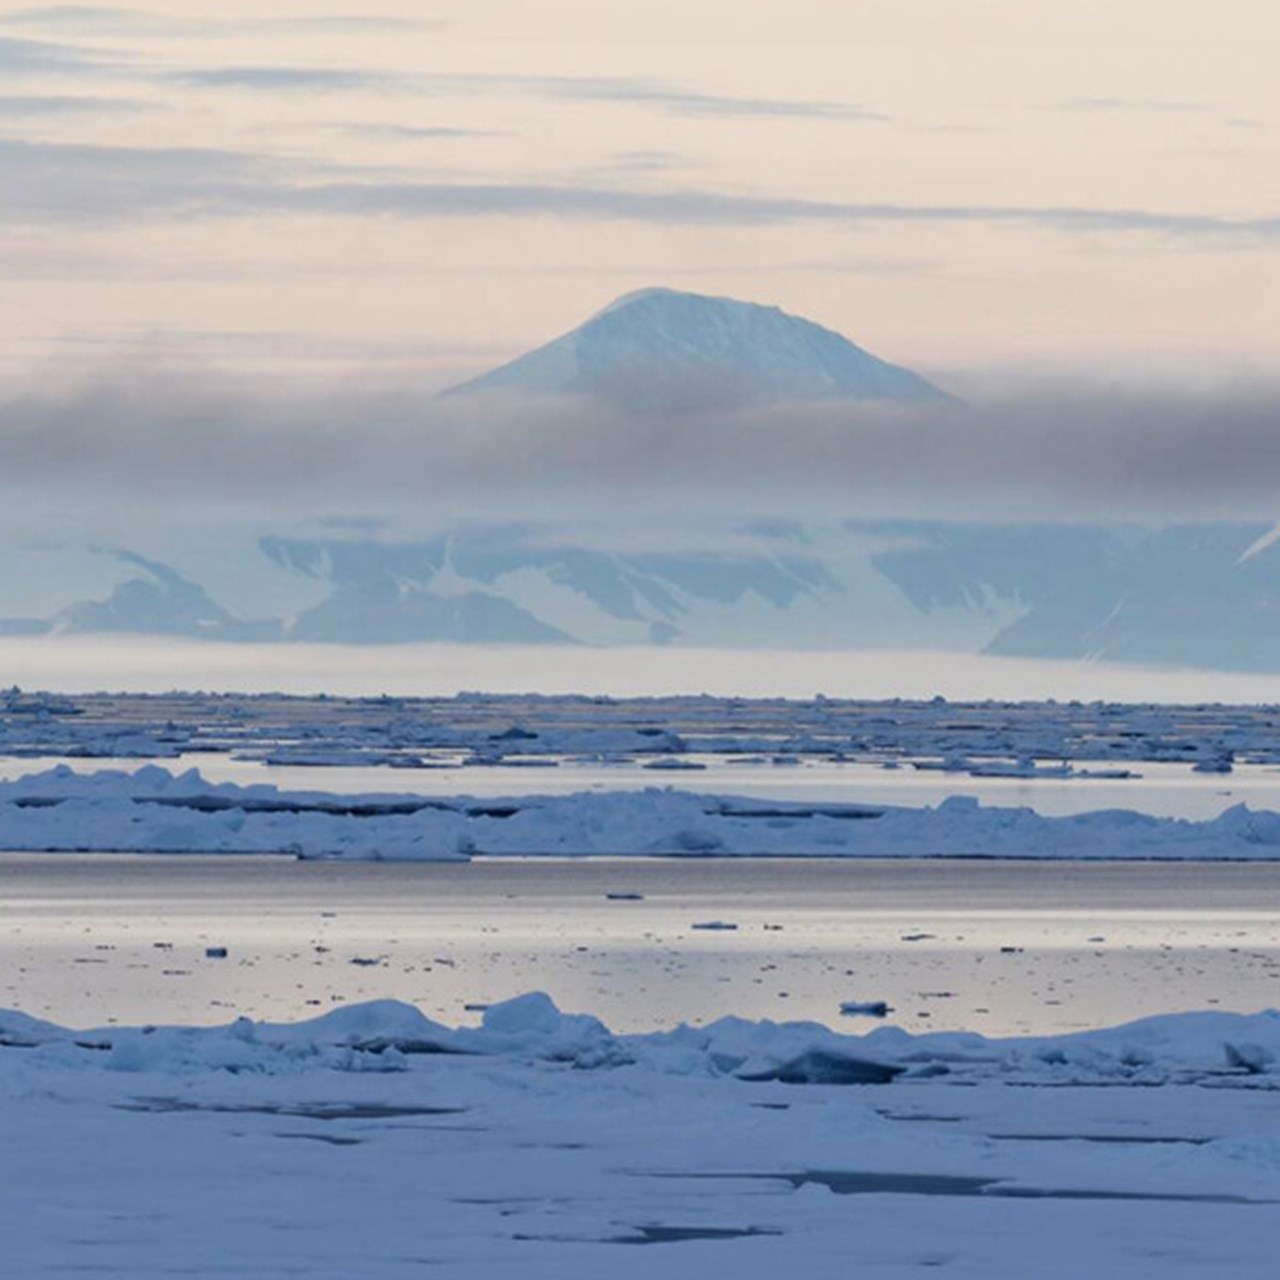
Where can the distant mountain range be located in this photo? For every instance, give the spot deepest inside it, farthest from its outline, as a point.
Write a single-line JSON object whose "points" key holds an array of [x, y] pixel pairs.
{"points": [[663, 349], [1193, 595]]}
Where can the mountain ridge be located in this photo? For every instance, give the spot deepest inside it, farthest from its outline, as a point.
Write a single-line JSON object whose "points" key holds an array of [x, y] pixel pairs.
{"points": [[1181, 595]]}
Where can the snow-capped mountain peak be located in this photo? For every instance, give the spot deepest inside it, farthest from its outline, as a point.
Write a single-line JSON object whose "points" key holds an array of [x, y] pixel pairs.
{"points": [[661, 347]]}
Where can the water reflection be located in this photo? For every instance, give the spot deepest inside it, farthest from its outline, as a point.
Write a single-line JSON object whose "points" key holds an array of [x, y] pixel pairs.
{"points": [[1000, 947]]}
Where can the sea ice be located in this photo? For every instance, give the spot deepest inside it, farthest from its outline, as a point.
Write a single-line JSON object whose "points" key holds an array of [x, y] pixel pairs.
{"points": [[153, 810]]}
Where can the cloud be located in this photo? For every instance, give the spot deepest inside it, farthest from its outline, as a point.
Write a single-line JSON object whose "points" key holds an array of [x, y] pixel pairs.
{"points": [[96, 184], [69, 15], [1056, 450], [286, 79], [412, 132], [35, 107], [698, 207], [673, 98], [39, 258], [643, 161], [104, 184], [172, 347], [1157, 106], [624, 90], [351, 22], [44, 57], [109, 18]]}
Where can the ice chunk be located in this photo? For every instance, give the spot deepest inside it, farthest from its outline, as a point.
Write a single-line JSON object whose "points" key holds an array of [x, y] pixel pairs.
{"points": [[865, 1008]]}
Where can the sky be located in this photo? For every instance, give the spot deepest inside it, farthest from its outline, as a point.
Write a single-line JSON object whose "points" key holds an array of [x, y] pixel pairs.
{"points": [[397, 195], [243, 246]]}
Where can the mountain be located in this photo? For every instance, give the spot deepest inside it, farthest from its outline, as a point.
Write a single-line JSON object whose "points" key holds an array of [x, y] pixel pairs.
{"points": [[151, 599], [660, 348], [380, 593], [1191, 595]]}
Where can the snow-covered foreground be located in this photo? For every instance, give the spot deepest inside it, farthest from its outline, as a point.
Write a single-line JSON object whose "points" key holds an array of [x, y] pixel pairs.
{"points": [[373, 1142], [153, 810]]}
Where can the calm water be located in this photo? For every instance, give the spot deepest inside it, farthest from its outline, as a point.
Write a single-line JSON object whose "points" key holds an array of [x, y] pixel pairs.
{"points": [[84, 939]]}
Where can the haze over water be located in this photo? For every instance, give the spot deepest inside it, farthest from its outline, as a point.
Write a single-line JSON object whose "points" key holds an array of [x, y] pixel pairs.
{"points": [[153, 665]]}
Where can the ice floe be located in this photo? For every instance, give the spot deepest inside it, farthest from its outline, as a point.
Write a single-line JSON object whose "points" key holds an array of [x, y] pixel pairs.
{"points": [[154, 810], [1211, 1046]]}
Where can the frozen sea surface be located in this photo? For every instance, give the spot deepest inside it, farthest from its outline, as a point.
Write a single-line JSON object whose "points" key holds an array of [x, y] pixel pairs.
{"points": [[1162, 789], [378, 1145], [1000, 947], [1058, 758], [374, 1142]]}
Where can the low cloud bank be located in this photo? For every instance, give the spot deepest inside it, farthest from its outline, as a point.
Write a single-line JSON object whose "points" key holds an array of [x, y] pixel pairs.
{"points": [[1049, 450]]}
